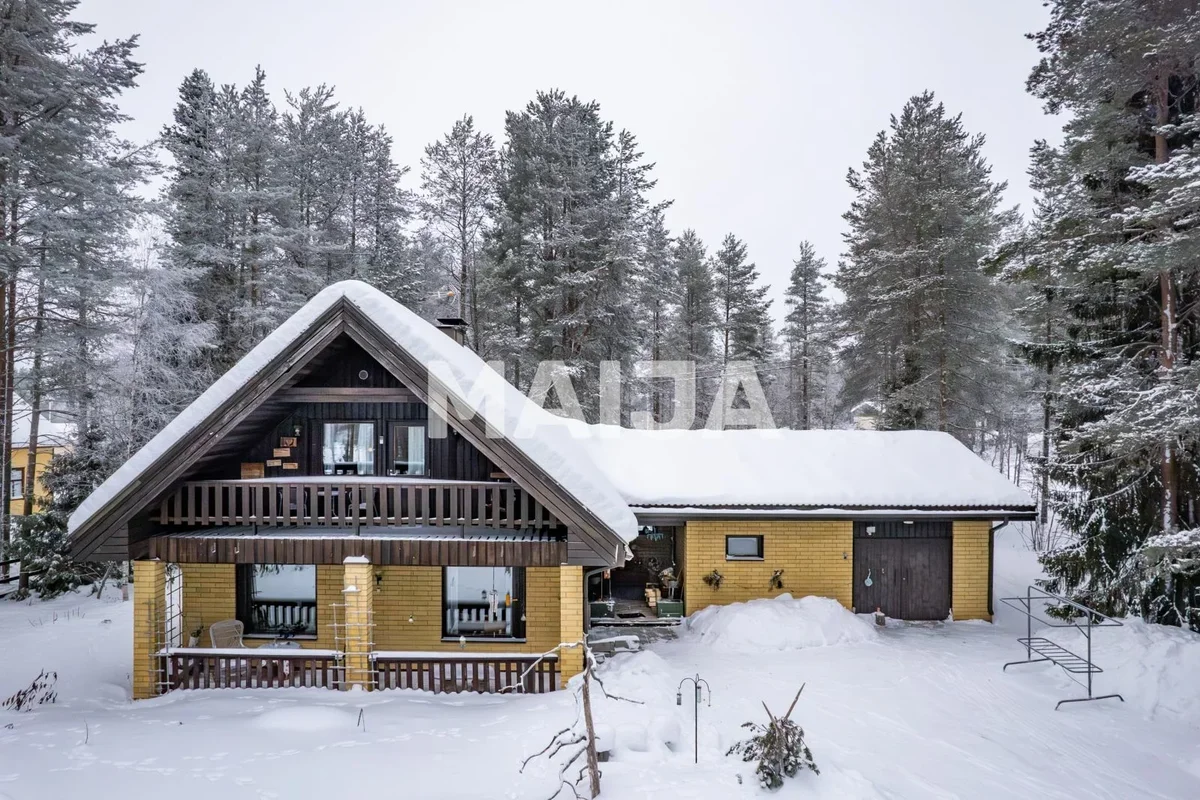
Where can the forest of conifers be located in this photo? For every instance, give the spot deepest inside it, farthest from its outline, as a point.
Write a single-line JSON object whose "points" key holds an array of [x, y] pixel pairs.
{"points": [[1061, 341]]}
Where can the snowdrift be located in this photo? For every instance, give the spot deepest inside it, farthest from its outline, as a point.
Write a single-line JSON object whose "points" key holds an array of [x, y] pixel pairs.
{"points": [[779, 623], [1154, 667]]}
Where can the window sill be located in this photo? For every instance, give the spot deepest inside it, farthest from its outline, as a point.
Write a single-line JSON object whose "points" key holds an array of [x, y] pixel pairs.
{"points": [[267, 637], [744, 558], [479, 639]]}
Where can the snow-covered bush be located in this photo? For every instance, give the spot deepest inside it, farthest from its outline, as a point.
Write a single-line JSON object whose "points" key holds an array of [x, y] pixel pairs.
{"points": [[41, 545], [40, 692], [778, 747]]}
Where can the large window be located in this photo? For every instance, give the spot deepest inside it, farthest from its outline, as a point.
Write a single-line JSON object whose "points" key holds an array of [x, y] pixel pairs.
{"points": [[743, 548], [408, 450], [483, 602], [277, 599], [16, 483], [349, 448]]}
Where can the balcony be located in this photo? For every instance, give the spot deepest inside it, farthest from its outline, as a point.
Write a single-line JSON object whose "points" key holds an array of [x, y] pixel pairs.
{"points": [[354, 502]]}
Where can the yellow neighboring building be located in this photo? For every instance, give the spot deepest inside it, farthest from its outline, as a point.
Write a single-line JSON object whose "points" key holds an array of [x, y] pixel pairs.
{"points": [[53, 438]]}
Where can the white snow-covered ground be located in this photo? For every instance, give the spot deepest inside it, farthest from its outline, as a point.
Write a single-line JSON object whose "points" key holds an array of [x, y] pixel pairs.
{"points": [[910, 711]]}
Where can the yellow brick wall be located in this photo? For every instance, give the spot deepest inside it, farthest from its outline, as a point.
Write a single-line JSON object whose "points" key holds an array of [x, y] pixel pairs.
{"points": [[970, 570], [358, 599], [570, 610], [416, 592], [149, 601], [817, 557]]}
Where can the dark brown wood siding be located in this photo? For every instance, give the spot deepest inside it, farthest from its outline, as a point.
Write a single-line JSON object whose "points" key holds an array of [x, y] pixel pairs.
{"points": [[908, 567]]}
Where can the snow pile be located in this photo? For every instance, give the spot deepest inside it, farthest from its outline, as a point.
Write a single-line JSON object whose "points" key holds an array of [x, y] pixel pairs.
{"points": [[779, 623], [1154, 667], [305, 719]]}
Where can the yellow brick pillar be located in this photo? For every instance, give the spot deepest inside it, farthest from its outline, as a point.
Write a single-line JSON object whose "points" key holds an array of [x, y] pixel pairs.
{"points": [[149, 601], [971, 569], [358, 594], [570, 620]]}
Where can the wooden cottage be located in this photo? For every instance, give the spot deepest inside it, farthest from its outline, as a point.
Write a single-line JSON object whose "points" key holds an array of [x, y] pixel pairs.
{"points": [[362, 500]]}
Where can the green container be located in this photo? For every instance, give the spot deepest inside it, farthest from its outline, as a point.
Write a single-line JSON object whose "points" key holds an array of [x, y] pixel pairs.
{"points": [[670, 608]]}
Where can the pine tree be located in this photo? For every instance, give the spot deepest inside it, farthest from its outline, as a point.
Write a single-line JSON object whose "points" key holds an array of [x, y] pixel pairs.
{"points": [[658, 305], [920, 315], [692, 332], [742, 306], [570, 206], [458, 176], [808, 340], [1124, 73]]}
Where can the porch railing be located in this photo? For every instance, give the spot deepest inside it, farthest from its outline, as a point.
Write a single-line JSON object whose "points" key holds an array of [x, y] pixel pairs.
{"points": [[250, 668], [466, 672], [354, 503], [268, 668]]}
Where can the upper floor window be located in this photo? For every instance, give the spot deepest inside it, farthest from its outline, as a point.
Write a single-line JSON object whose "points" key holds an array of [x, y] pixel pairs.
{"points": [[348, 448], [16, 483], [408, 450]]}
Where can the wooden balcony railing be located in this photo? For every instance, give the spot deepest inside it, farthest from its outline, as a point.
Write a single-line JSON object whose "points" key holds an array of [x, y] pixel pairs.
{"points": [[355, 502], [466, 672]]}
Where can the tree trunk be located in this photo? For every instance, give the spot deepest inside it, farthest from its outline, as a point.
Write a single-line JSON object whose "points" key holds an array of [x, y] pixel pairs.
{"points": [[1170, 511], [593, 761], [35, 392]]}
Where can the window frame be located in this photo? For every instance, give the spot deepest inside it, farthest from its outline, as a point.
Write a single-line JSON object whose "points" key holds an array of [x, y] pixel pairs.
{"points": [[761, 547], [16, 485], [520, 591], [244, 595], [393, 426], [374, 444]]}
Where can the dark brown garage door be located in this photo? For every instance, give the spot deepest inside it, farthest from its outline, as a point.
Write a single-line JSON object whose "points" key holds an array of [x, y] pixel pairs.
{"points": [[907, 568]]}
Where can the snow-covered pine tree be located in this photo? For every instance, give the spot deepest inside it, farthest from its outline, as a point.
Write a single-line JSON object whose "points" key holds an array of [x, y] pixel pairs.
{"points": [[693, 327], [742, 304], [1125, 74], [920, 316], [65, 181], [458, 180], [808, 342], [657, 302], [570, 203]]}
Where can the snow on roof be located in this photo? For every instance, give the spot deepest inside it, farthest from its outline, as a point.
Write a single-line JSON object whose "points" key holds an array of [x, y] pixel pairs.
{"points": [[821, 468], [469, 381], [50, 434]]}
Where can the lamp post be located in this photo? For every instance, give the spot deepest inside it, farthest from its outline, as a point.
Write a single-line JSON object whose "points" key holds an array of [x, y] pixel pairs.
{"points": [[697, 682]]}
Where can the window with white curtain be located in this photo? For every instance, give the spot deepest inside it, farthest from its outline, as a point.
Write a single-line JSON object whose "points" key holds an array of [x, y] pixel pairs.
{"points": [[349, 448], [408, 450]]}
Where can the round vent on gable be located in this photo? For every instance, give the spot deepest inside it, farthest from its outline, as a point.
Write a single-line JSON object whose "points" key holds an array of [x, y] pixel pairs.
{"points": [[363, 374]]}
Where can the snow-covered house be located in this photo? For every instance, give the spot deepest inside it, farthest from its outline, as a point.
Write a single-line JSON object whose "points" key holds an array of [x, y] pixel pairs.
{"points": [[367, 502], [52, 438]]}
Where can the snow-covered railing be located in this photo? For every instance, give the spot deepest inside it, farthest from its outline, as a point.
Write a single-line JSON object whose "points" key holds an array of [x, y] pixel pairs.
{"points": [[465, 672], [249, 668], [354, 502]]}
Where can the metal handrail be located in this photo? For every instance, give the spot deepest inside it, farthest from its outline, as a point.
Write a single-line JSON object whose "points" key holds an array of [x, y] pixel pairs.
{"points": [[1055, 653]]}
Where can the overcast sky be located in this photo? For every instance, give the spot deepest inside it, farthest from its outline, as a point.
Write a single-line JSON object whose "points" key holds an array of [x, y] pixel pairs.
{"points": [[753, 111]]}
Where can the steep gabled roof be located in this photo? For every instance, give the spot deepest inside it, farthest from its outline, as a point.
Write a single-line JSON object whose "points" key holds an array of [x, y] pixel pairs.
{"points": [[511, 430], [787, 469]]}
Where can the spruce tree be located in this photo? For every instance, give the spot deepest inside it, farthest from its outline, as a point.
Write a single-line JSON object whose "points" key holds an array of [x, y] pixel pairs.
{"points": [[808, 341], [921, 317], [1124, 74], [693, 328]]}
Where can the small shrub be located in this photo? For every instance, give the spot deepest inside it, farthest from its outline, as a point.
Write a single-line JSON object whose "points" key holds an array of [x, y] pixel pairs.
{"points": [[40, 692], [776, 580], [714, 579], [778, 747]]}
